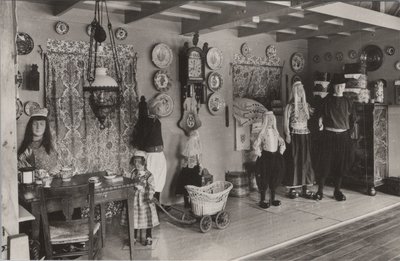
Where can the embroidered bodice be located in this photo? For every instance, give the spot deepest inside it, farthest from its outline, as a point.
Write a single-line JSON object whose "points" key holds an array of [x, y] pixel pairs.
{"points": [[298, 121], [36, 156]]}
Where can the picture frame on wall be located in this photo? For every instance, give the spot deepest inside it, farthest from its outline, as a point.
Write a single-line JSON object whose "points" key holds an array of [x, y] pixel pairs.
{"points": [[397, 94]]}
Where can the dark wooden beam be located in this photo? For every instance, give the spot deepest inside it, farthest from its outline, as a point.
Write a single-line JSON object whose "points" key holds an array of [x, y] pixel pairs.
{"points": [[327, 29], [284, 23], [232, 16], [151, 9], [61, 8]]}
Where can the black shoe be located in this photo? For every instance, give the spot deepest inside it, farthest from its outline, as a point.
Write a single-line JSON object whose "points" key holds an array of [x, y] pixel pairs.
{"points": [[308, 194], [293, 193], [339, 196], [318, 196], [263, 204], [275, 203]]}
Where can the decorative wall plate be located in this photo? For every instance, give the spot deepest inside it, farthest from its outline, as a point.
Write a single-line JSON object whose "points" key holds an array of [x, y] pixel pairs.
{"points": [[19, 108], [328, 56], [397, 65], [374, 57], [296, 78], [339, 56], [162, 55], [166, 105], [162, 81], [214, 58], [62, 27], [297, 62], [30, 106], [121, 33], [270, 51], [24, 43], [216, 103], [214, 81], [316, 58], [352, 54], [390, 50], [88, 29], [245, 49]]}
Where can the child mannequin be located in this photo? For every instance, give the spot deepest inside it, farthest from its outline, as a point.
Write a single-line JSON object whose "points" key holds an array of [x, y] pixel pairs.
{"points": [[144, 209], [269, 147]]}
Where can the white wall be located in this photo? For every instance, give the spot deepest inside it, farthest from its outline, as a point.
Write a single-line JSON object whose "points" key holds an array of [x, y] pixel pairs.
{"points": [[217, 140]]}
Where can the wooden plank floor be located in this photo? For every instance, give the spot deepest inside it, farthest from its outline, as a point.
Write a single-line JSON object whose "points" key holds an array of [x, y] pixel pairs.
{"points": [[373, 238], [254, 231]]}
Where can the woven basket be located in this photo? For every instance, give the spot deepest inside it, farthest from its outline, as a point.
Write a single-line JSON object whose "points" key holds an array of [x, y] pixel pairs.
{"points": [[210, 199]]}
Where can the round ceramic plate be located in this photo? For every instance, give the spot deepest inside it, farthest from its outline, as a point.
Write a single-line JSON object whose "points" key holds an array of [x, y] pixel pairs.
{"points": [[245, 50], [316, 58], [216, 103], [297, 62], [162, 55], [352, 54], [390, 50], [24, 43], [397, 65], [19, 108], [121, 33], [214, 81], [374, 57], [214, 58], [30, 106], [270, 51], [166, 106], [88, 29], [162, 81], [62, 27], [339, 56], [328, 57]]}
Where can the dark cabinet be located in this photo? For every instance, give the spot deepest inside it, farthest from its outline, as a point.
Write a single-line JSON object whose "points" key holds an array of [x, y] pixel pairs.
{"points": [[369, 157]]}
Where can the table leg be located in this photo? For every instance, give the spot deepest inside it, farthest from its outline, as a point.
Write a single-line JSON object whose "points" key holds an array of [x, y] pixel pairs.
{"points": [[130, 221], [103, 223], [36, 222]]}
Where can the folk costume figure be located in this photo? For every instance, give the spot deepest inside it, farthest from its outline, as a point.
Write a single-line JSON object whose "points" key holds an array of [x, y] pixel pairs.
{"points": [[36, 150], [337, 118], [144, 209], [191, 166], [269, 147], [147, 137], [299, 170]]}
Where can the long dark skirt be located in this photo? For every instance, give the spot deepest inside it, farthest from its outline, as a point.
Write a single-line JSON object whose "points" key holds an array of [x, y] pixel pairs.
{"points": [[299, 169], [270, 169], [335, 154]]}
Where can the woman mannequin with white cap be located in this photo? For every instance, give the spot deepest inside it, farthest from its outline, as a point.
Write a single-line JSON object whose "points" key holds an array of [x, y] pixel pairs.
{"points": [[269, 147], [299, 170], [36, 149]]}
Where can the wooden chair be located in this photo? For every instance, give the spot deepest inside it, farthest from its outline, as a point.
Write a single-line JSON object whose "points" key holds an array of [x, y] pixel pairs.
{"points": [[69, 237]]}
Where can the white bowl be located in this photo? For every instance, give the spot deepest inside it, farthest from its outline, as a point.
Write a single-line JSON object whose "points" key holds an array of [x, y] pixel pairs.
{"points": [[110, 176]]}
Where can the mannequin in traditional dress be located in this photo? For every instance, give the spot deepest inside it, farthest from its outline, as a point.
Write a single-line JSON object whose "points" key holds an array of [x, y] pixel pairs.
{"points": [[37, 149], [299, 170], [269, 147], [337, 118]]}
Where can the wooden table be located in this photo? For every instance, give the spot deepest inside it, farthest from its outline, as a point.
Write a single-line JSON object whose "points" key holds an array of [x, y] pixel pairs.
{"points": [[106, 192]]}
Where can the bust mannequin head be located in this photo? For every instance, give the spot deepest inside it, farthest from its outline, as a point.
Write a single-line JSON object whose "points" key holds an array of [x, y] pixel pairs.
{"points": [[338, 89]]}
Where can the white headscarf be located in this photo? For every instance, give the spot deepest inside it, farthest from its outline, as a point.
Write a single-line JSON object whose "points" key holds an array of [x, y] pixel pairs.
{"points": [[299, 95]]}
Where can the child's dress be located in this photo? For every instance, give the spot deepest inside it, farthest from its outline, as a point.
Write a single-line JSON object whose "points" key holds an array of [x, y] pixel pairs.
{"points": [[144, 209]]}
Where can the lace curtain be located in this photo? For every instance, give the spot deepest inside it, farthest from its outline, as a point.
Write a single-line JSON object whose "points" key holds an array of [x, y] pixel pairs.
{"points": [[76, 131]]}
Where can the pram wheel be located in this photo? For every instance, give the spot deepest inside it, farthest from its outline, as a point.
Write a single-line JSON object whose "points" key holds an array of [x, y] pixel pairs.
{"points": [[205, 223], [222, 220]]}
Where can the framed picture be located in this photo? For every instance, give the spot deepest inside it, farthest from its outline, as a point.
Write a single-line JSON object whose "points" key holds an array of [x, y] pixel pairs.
{"points": [[397, 94]]}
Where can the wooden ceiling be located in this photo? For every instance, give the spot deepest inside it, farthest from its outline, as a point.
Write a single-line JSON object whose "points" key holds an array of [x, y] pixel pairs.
{"points": [[288, 20]]}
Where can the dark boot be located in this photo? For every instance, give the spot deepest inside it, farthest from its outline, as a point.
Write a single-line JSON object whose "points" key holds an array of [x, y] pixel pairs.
{"points": [[273, 201], [262, 202]]}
